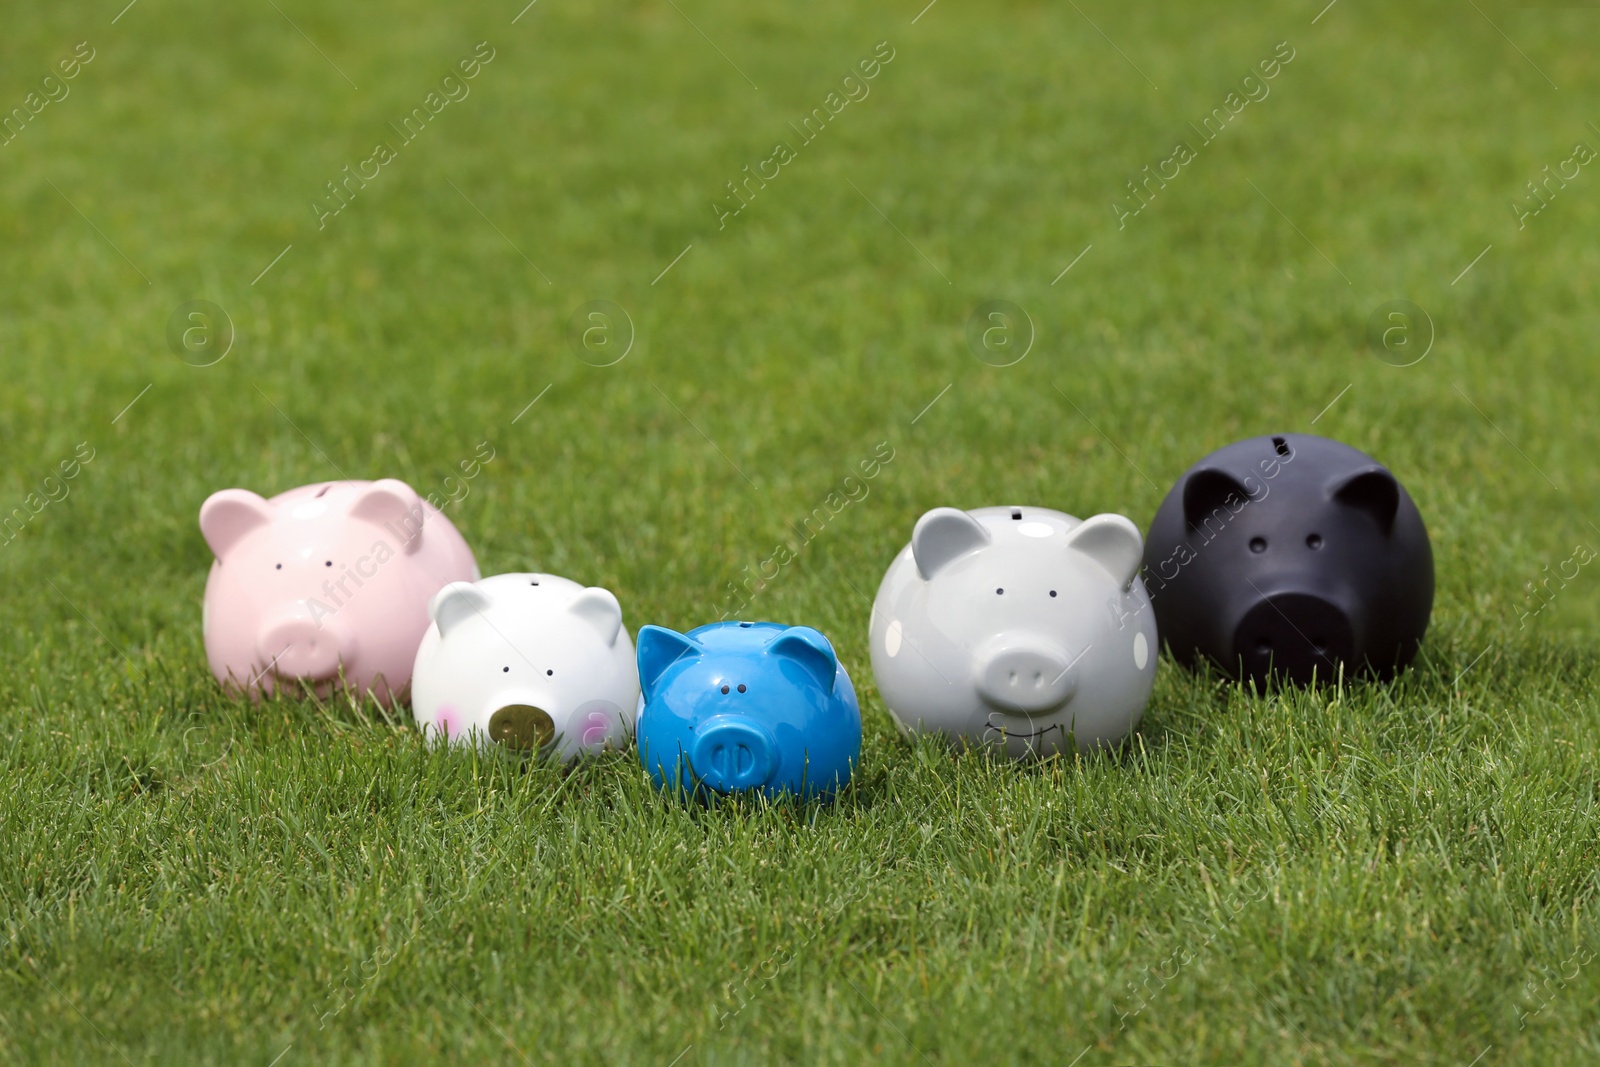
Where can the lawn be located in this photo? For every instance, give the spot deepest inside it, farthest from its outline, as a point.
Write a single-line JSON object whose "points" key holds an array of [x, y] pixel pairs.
{"points": [[1363, 873]]}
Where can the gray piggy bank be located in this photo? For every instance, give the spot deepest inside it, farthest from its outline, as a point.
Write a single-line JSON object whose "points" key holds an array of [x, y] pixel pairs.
{"points": [[1016, 628]]}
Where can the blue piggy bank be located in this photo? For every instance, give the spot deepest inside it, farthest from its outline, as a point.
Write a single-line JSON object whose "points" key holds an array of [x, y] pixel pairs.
{"points": [[738, 706]]}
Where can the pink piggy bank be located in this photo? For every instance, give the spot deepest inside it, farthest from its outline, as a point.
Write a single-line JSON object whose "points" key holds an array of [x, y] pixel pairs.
{"points": [[325, 582]]}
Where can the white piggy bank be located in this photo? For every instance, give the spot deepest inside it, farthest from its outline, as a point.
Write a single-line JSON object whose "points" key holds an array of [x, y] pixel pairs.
{"points": [[1016, 628], [530, 661]]}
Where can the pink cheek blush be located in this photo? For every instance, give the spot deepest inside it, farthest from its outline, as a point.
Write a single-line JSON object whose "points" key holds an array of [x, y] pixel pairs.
{"points": [[447, 720]]}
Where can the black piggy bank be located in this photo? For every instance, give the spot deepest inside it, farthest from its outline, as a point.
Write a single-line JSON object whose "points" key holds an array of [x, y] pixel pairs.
{"points": [[1288, 557]]}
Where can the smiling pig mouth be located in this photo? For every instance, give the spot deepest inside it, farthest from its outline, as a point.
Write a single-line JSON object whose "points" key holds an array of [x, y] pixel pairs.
{"points": [[1003, 731]]}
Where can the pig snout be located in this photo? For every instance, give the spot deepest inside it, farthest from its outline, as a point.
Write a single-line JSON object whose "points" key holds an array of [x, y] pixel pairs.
{"points": [[1023, 674], [295, 646], [733, 753], [522, 727], [1295, 634]]}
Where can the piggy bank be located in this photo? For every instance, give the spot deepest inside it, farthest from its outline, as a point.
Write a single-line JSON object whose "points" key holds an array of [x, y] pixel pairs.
{"points": [[1014, 629], [738, 706], [1290, 557], [324, 582], [530, 661]]}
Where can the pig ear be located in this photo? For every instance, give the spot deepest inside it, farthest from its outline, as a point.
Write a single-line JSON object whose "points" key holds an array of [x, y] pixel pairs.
{"points": [[808, 648], [1206, 490], [599, 609], [944, 535], [660, 648], [1112, 541], [455, 604], [1374, 491], [389, 501], [228, 515]]}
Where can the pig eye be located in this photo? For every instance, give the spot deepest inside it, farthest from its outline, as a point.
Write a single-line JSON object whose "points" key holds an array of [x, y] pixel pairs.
{"points": [[1258, 545], [724, 689], [505, 670], [549, 673], [329, 563], [1314, 541], [1052, 592], [280, 567], [741, 687], [999, 592]]}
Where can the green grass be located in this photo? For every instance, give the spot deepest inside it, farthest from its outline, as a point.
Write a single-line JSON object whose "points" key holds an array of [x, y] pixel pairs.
{"points": [[1367, 874]]}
